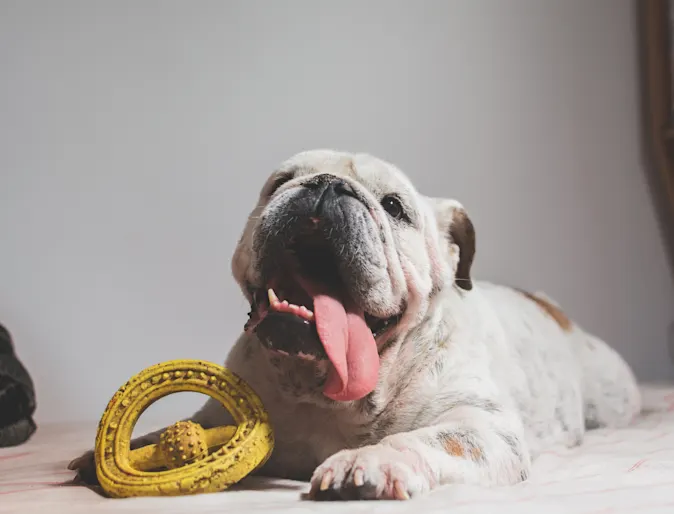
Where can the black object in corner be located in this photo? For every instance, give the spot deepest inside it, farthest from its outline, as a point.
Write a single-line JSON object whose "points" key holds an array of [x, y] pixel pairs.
{"points": [[17, 396]]}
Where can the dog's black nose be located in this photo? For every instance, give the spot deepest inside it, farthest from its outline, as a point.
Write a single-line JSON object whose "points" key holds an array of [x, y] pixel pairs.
{"points": [[328, 183], [327, 190], [341, 187]]}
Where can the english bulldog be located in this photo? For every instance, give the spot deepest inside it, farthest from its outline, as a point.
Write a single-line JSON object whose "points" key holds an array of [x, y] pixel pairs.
{"points": [[386, 369]]}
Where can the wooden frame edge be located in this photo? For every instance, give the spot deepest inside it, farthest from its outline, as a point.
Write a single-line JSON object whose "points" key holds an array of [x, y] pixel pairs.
{"points": [[657, 69]]}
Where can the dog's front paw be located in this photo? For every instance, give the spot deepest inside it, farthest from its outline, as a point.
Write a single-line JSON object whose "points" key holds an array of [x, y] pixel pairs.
{"points": [[377, 472], [85, 465]]}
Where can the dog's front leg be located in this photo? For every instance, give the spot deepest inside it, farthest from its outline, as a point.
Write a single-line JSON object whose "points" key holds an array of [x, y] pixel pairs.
{"points": [[467, 445]]}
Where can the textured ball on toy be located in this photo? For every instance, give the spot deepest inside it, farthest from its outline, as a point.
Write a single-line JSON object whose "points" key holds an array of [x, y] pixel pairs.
{"points": [[183, 443]]}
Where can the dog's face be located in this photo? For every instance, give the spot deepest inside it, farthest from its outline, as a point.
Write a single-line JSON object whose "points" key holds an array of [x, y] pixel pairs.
{"points": [[341, 255]]}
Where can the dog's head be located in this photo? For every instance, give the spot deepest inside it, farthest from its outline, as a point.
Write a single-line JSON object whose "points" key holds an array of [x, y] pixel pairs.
{"points": [[342, 254]]}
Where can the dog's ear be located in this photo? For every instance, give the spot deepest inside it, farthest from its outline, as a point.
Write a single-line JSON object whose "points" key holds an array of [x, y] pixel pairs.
{"points": [[458, 234]]}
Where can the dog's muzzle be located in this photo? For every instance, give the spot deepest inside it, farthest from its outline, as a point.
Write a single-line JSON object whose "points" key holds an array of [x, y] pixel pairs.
{"points": [[315, 249]]}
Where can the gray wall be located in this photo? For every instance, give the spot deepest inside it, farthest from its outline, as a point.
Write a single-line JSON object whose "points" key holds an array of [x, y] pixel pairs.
{"points": [[134, 137]]}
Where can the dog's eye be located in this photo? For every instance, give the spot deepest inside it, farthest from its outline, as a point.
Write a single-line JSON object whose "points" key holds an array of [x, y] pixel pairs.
{"points": [[393, 207], [280, 180]]}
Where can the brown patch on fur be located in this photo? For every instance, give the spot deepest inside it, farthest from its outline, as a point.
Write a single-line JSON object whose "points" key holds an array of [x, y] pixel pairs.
{"points": [[552, 310], [453, 447]]}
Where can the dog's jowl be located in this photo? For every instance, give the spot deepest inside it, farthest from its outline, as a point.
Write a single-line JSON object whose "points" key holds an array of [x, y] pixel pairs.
{"points": [[386, 368]]}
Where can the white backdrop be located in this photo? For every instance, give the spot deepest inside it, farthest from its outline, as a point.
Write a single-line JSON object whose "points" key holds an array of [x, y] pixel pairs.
{"points": [[134, 137]]}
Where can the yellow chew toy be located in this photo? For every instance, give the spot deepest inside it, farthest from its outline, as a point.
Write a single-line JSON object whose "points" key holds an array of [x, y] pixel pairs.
{"points": [[188, 458]]}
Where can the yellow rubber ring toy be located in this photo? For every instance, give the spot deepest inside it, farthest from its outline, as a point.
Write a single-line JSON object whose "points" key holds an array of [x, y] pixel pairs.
{"points": [[189, 459]]}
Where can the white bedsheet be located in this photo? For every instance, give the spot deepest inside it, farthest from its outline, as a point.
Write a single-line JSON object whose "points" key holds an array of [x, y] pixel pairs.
{"points": [[630, 470]]}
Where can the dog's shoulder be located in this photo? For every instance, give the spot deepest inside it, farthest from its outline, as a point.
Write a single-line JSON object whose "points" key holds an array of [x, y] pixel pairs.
{"points": [[482, 345], [514, 303]]}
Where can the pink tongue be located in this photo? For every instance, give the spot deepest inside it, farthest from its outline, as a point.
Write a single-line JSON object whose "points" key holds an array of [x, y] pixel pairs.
{"points": [[348, 342]]}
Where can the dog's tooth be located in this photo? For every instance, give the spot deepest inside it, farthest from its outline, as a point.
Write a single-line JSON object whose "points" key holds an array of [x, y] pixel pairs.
{"points": [[285, 303], [358, 478], [326, 481], [273, 299]]}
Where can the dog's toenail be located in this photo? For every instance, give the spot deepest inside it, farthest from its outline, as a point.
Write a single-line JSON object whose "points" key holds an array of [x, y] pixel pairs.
{"points": [[327, 480], [399, 491]]}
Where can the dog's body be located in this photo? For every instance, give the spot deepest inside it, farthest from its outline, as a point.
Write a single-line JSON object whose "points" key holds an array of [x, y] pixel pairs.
{"points": [[472, 380]]}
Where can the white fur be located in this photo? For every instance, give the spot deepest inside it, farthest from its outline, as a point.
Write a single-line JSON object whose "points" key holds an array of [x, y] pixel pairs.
{"points": [[473, 384]]}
